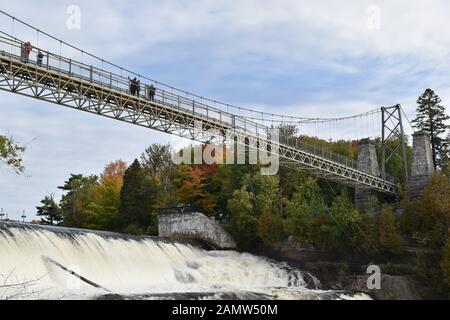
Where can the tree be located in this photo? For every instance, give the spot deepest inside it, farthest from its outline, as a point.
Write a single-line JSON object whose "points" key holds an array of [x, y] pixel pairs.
{"points": [[50, 211], [434, 207], [194, 188], [428, 218], [446, 164], [306, 204], [157, 161], [11, 154], [345, 220], [74, 202], [102, 211], [243, 218], [137, 201], [114, 170], [431, 118], [270, 228], [389, 236], [265, 191]]}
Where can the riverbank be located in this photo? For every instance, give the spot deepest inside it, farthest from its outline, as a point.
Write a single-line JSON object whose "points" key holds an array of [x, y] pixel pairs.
{"points": [[349, 273]]}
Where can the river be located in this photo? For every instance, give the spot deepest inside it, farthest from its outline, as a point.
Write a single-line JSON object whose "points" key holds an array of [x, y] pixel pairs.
{"points": [[38, 262]]}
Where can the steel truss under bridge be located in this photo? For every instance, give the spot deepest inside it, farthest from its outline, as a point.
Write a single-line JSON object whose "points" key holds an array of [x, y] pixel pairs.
{"points": [[83, 87]]}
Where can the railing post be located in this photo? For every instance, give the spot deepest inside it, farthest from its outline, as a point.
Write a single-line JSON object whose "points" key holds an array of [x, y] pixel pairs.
{"points": [[70, 67], [91, 70], [48, 60], [110, 79]]}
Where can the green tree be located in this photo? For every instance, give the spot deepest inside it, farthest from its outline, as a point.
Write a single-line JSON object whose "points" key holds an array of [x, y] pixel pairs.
{"points": [[49, 211], [428, 218], [431, 118], [345, 221], [265, 191], [226, 181], [11, 154], [306, 205], [73, 203], [243, 219], [137, 201], [270, 228], [434, 207], [366, 234], [390, 239], [102, 209]]}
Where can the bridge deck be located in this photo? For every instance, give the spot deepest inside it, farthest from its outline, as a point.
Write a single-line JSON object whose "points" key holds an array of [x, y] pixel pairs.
{"points": [[80, 86]]}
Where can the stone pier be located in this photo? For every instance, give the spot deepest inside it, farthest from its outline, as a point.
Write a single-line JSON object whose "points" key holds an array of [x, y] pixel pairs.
{"points": [[368, 163], [422, 167]]}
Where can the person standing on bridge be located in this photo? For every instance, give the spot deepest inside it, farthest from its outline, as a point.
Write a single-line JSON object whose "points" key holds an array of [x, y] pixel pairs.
{"points": [[133, 86], [39, 58], [25, 51], [138, 87], [151, 93], [28, 49]]}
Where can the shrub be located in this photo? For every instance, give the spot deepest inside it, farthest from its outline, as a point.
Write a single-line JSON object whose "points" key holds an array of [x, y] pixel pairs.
{"points": [[270, 228], [446, 263], [390, 239]]}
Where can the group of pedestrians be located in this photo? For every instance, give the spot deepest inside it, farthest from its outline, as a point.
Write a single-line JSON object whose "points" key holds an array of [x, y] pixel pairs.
{"points": [[135, 86], [135, 89], [25, 51]]}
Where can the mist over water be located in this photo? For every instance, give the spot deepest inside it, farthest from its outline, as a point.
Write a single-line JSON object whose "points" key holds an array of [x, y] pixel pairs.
{"points": [[47, 263]]}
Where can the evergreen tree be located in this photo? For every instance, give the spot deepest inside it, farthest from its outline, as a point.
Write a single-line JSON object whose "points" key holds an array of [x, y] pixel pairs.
{"points": [[50, 211], [431, 118], [137, 200], [77, 188]]}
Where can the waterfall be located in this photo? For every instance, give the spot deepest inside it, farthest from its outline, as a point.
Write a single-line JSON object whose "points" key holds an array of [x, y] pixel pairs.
{"points": [[57, 263]]}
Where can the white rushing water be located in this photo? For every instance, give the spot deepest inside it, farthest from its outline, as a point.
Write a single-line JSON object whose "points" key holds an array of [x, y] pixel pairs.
{"points": [[36, 263]]}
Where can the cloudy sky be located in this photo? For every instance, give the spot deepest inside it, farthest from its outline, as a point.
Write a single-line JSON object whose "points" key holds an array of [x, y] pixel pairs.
{"points": [[297, 57]]}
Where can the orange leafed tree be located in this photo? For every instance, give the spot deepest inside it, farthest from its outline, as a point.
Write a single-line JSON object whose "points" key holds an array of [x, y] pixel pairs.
{"points": [[114, 170], [194, 188]]}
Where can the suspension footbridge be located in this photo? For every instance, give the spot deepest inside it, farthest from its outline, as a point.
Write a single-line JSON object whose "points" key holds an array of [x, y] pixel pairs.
{"points": [[103, 88]]}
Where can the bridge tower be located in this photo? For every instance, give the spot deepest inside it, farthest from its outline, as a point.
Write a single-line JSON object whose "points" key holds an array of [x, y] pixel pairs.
{"points": [[422, 166], [368, 163]]}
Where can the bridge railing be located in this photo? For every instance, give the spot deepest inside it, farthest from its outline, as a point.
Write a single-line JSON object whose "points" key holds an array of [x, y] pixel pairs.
{"points": [[165, 95]]}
